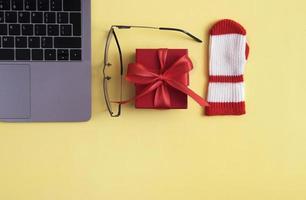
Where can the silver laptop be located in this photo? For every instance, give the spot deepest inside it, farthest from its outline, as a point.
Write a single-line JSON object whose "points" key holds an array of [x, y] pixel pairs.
{"points": [[45, 60]]}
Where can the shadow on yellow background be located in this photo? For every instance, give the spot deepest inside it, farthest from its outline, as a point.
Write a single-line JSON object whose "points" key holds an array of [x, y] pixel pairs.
{"points": [[177, 154]]}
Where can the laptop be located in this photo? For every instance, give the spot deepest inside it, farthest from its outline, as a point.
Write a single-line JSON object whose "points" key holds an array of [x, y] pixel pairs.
{"points": [[45, 60]]}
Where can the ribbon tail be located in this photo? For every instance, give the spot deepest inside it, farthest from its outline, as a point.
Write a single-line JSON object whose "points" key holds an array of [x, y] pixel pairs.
{"points": [[162, 97], [183, 88]]}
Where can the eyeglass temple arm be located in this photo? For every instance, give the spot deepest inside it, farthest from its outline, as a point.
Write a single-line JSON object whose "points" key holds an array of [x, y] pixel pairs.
{"points": [[163, 29], [182, 31]]}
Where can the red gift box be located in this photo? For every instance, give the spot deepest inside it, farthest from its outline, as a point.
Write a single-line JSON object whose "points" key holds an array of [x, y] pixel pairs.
{"points": [[161, 77], [149, 58]]}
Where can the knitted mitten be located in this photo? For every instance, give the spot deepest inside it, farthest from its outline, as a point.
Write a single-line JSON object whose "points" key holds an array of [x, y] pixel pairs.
{"points": [[228, 55]]}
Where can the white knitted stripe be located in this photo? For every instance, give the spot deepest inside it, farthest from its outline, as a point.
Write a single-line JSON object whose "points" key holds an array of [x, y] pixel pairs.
{"points": [[227, 54], [226, 92]]}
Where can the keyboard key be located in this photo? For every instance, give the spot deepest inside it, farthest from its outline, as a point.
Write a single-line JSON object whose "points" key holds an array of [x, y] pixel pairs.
{"points": [[53, 30], [75, 20], [8, 42], [4, 5], [49, 17], [34, 42], [66, 30], [10, 17], [46, 42], [37, 17], [43, 5], [17, 4], [27, 29], [7, 54], [56, 5], [30, 4], [75, 54], [21, 42], [67, 42], [62, 18], [3, 29], [23, 54], [40, 29], [72, 5], [24, 17], [14, 29], [37, 54], [50, 54], [1, 17], [62, 54]]}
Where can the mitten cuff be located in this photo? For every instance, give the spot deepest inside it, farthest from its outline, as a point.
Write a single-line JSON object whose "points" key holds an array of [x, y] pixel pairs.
{"points": [[226, 99]]}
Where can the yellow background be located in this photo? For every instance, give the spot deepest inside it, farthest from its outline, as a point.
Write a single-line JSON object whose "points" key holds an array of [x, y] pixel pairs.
{"points": [[177, 154]]}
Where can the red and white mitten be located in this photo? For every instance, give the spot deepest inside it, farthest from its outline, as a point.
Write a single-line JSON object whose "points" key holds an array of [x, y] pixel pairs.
{"points": [[228, 55]]}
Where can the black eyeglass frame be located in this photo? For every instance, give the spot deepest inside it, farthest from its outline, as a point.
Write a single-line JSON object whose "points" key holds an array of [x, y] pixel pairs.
{"points": [[106, 78]]}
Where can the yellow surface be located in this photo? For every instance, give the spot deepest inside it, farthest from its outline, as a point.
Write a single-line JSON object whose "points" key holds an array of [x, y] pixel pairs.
{"points": [[177, 154]]}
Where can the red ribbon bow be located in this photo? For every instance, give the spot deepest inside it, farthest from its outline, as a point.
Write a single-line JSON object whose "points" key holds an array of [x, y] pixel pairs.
{"points": [[138, 74]]}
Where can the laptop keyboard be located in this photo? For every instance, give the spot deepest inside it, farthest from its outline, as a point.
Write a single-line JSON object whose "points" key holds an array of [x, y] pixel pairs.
{"points": [[40, 30]]}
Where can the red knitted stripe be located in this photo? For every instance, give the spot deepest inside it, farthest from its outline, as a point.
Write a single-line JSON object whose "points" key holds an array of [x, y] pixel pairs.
{"points": [[225, 109], [227, 26], [226, 79]]}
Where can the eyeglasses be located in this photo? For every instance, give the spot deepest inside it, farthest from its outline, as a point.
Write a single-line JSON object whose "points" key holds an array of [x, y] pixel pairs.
{"points": [[114, 105]]}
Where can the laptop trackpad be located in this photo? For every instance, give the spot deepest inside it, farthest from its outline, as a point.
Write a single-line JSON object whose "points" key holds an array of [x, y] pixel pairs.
{"points": [[15, 91]]}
